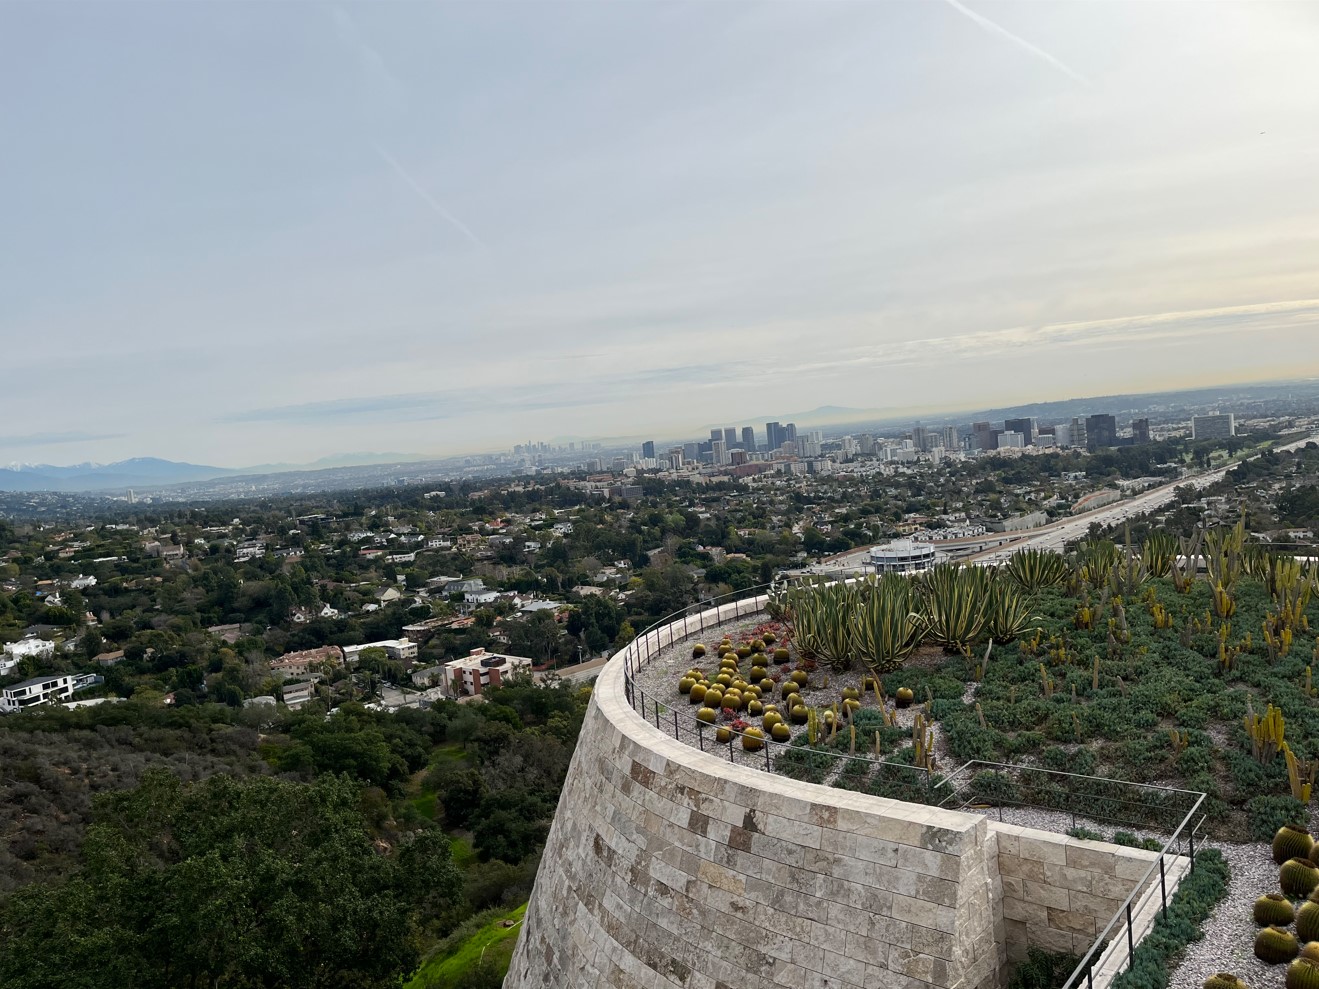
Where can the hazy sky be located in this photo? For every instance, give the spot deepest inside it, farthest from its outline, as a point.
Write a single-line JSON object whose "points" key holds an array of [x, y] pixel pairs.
{"points": [[236, 232]]}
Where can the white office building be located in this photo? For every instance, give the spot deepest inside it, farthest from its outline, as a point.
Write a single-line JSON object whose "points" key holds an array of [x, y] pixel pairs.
{"points": [[903, 556]]}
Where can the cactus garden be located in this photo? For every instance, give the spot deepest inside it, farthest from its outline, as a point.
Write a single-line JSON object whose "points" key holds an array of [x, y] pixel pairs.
{"points": [[1187, 663]]}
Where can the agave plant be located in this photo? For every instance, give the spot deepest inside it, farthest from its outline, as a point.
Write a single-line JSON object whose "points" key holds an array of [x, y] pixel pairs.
{"points": [[1094, 560], [956, 600], [1159, 553], [887, 622], [1007, 613], [1035, 569], [822, 620]]}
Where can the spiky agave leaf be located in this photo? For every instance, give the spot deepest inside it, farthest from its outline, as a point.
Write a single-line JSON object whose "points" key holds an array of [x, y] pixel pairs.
{"points": [[887, 622], [1035, 569], [1008, 613], [955, 602]]}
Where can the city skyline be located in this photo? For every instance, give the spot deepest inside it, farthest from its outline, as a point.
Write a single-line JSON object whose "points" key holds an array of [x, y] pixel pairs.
{"points": [[422, 228]]}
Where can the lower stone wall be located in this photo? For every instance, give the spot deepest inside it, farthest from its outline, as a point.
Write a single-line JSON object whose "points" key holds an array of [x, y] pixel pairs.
{"points": [[669, 867], [1059, 892]]}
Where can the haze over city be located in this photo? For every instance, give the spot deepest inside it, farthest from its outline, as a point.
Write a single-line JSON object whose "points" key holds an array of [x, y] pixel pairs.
{"points": [[245, 233]]}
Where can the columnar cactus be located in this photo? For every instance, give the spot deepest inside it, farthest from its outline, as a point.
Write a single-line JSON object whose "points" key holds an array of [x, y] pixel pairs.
{"points": [[1273, 910], [1291, 842], [1298, 877], [1274, 945]]}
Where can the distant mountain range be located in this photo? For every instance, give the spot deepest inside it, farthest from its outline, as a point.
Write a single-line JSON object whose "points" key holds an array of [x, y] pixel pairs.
{"points": [[140, 472]]}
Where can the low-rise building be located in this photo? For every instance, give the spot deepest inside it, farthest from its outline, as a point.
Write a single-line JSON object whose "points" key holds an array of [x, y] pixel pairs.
{"points": [[474, 674], [52, 688], [299, 664], [401, 650]]}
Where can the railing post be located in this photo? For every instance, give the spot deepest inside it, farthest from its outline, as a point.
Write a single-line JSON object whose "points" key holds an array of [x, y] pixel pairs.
{"points": [[700, 734], [675, 726], [657, 724], [1191, 838], [1163, 888], [768, 743], [1131, 938]]}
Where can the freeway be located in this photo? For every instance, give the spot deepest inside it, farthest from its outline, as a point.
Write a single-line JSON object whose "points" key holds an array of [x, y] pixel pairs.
{"points": [[1056, 535]]}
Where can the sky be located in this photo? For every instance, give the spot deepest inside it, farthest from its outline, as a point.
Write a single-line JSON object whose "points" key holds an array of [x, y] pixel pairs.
{"points": [[247, 233]]}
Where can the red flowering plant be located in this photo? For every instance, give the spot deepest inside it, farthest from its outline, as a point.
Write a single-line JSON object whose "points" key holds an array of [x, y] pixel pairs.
{"points": [[738, 724]]}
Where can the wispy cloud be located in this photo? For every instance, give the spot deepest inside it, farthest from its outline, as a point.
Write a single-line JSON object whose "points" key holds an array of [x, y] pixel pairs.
{"points": [[427, 198], [1123, 331], [998, 29], [370, 61], [53, 439], [430, 406]]}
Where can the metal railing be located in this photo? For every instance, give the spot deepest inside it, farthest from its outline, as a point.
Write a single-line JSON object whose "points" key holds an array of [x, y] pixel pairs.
{"points": [[977, 784]]}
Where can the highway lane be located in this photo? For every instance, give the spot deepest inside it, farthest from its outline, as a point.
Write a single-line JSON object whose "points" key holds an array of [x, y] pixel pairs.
{"points": [[1056, 535]]}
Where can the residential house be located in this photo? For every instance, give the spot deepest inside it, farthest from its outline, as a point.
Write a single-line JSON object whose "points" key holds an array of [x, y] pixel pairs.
{"points": [[399, 650], [299, 664], [52, 688], [297, 694]]}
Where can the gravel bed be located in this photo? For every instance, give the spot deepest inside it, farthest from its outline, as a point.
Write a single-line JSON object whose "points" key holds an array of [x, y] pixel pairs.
{"points": [[1230, 930], [658, 679]]}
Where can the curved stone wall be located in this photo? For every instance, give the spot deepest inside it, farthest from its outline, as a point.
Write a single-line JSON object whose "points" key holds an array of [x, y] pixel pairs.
{"points": [[670, 867]]}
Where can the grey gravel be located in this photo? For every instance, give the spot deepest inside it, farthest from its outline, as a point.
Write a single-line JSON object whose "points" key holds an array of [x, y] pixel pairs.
{"points": [[658, 679]]}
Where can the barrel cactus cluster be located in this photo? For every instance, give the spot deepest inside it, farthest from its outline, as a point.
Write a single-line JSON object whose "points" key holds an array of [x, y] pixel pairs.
{"points": [[1224, 980], [741, 686], [1297, 904]]}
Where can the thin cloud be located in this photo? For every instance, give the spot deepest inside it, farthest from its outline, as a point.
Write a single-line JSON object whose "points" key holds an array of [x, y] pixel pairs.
{"points": [[53, 439], [427, 198], [371, 62], [998, 29]]}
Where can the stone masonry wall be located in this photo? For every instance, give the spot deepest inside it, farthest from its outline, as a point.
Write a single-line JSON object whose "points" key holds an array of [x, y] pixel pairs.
{"points": [[1060, 892], [669, 867]]}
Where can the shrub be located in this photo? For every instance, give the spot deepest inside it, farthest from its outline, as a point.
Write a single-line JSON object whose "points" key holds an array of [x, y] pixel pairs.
{"points": [[1190, 906], [1045, 969], [1268, 814]]}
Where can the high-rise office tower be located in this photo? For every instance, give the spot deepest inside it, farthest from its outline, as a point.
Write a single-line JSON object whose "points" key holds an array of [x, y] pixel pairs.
{"points": [[790, 433], [920, 438], [718, 452], [984, 434], [749, 439], [691, 451], [716, 434], [730, 437], [1078, 432], [1026, 427], [648, 450], [1100, 431], [773, 436], [1140, 430], [1213, 427]]}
